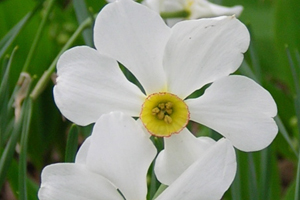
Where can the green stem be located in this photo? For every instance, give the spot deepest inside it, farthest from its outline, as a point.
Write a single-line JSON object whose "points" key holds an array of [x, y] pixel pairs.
{"points": [[297, 187], [23, 151], [40, 86], [252, 178], [161, 188], [72, 144], [297, 111], [176, 14], [7, 155], [38, 36], [285, 134], [266, 168], [236, 185]]}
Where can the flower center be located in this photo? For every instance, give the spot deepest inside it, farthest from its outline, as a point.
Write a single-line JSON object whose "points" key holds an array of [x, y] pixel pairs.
{"points": [[164, 114]]}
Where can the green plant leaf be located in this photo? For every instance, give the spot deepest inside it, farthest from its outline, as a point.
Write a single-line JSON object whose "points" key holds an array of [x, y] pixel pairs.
{"points": [[72, 144], [82, 13]]}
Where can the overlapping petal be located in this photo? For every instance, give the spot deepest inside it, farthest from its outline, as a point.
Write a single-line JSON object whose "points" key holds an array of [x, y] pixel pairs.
{"points": [[83, 151], [90, 84], [181, 150], [202, 51], [208, 178], [116, 156], [122, 153], [74, 181], [136, 37], [239, 109], [217, 10]]}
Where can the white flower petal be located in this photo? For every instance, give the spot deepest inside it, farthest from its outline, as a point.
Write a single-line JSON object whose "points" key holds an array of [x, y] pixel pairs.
{"points": [[122, 153], [181, 150], [204, 9], [201, 51], [217, 10], [69, 181], [90, 84], [208, 178], [239, 109], [83, 151], [164, 5], [136, 37]]}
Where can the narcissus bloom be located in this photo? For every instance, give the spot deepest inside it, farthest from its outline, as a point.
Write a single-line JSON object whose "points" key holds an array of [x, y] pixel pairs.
{"points": [[195, 9], [116, 157], [170, 64]]}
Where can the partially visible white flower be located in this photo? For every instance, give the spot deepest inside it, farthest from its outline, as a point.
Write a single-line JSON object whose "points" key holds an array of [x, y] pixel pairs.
{"points": [[195, 168], [195, 8], [170, 64], [118, 155]]}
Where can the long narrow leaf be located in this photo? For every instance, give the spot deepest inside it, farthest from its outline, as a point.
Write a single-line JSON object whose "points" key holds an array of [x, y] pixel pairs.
{"points": [[82, 13], [254, 195], [23, 150], [38, 35], [40, 86], [285, 134], [72, 144], [8, 152], [297, 110], [4, 96], [13, 33], [12, 177], [266, 168], [235, 188]]}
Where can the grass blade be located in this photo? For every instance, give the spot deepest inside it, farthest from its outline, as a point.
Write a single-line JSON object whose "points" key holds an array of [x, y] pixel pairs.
{"points": [[285, 134], [42, 83], [235, 188], [82, 13], [266, 168], [254, 195], [23, 150], [38, 35], [13, 33], [297, 110], [4, 99], [72, 144], [8, 152]]}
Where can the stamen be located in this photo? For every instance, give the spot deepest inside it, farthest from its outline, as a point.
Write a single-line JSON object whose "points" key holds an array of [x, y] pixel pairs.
{"points": [[169, 105], [155, 111], [161, 115], [161, 106], [168, 119], [164, 114], [169, 111]]}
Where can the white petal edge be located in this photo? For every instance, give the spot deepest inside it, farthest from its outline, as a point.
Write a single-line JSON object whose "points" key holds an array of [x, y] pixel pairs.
{"points": [[69, 181], [202, 51], [201, 9], [83, 151], [208, 178], [218, 10], [121, 152], [90, 84], [135, 36], [181, 150], [239, 109]]}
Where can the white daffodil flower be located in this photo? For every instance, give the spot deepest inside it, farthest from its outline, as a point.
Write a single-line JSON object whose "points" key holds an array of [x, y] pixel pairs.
{"points": [[170, 64], [116, 156], [195, 168], [115, 160], [195, 9]]}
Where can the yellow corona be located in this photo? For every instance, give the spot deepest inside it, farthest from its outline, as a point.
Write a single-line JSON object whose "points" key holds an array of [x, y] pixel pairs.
{"points": [[164, 114]]}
